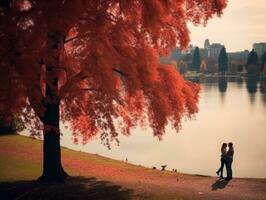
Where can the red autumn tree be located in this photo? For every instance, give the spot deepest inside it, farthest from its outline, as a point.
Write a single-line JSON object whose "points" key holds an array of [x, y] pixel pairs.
{"points": [[95, 64]]}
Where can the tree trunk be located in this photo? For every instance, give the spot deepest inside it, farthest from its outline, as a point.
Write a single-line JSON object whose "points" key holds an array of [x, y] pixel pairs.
{"points": [[52, 167]]}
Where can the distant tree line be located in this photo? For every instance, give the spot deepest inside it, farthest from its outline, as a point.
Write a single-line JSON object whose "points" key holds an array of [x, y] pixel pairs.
{"points": [[252, 64]]}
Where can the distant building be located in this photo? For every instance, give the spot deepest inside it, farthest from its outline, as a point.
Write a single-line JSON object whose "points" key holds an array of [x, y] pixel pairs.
{"points": [[237, 61], [203, 53], [239, 55], [206, 44], [259, 48], [189, 50], [214, 50], [176, 54], [211, 50]]}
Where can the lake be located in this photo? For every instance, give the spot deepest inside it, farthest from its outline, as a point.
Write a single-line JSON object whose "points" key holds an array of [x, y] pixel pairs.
{"points": [[230, 110]]}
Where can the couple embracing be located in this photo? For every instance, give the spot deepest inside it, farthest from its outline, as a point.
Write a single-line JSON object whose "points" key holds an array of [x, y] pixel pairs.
{"points": [[227, 160]]}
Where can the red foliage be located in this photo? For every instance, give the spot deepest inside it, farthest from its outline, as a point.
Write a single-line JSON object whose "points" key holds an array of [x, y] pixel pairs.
{"points": [[100, 60]]}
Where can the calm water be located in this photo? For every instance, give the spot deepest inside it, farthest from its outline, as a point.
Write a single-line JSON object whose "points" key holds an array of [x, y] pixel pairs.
{"points": [[231, 110]]}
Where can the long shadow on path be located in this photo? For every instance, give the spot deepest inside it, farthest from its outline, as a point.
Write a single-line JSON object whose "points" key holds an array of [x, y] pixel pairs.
{"points": [[219, 184], [73, 188]]}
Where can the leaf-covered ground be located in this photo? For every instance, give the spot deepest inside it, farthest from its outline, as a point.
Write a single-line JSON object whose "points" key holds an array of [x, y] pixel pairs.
{"points": [[97, 177]]}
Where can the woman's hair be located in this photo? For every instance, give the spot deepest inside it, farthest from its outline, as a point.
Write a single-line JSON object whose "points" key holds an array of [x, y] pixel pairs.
{"points": [[224, 145]]}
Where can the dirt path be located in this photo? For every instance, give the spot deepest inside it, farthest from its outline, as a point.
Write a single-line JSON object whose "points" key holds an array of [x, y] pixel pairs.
{"points": [[98, 177]]}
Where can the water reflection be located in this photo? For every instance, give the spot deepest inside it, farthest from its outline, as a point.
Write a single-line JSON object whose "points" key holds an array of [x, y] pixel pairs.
{"points": [[239, 82], [252, 86], [222, 85], [263, 90], [251, 83]]}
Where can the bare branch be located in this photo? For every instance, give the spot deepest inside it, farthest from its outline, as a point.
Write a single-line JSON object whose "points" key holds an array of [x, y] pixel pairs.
{"points": [[70, 39], [87, 19], [119, 72], [37, 106], [90, 89]]}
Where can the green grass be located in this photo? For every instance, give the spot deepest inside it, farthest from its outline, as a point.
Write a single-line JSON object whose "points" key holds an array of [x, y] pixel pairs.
{"points": [[13, 169], [21, 164], [18, 166]]}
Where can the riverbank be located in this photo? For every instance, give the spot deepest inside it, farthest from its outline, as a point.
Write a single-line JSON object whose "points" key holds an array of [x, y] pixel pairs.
{"points": [[195, 75], [97, 177]]}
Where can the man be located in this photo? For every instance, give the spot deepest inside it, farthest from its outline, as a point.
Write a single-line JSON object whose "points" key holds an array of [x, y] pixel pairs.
{"points": [[229, 160]]}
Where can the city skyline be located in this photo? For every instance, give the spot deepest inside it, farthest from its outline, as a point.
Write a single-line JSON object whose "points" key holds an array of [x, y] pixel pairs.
{"points": [[241, 25]]}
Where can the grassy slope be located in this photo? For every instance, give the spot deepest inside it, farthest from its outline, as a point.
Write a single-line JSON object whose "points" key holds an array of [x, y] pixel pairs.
{"points": [[98, 177]]}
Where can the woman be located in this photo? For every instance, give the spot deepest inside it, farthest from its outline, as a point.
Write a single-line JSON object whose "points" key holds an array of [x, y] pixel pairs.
{"points": [[223, 160]]}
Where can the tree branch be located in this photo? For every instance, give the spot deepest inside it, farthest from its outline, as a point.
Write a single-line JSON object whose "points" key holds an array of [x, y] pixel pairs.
{"points": [[90, 89], [119, 72], [37, 106], [78, 77], [70, 39]]}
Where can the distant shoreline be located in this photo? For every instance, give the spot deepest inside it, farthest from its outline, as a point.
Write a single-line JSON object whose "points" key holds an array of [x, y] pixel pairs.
{"points": [[218, 75]]}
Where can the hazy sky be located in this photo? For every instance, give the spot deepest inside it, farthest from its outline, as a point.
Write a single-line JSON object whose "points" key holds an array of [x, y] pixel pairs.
{"points": [[242, 24]]}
